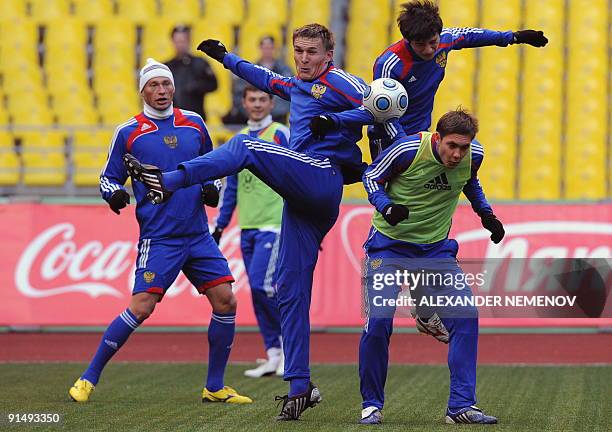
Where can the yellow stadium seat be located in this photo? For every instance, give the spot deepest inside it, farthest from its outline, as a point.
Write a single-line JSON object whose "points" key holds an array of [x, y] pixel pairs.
{"points": [[75, 111], [92, 140], [182, 10], [87, 167], [19, 42], [66, 38], [7, 140], [12, 10], [43, 10], [113, 36], [267, 11], [36, 141], [29, 108], [44, 168], [309, 11], [229, 12], [541, 105], [91, 11], [362, 52], [156, 40], [9, 167], [251, 34], [137, 11], [587, 101], [497, 103]]}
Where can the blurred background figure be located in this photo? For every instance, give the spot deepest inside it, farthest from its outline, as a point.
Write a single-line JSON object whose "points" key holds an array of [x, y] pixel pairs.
{"points": [[268, 59], [194, 76]]}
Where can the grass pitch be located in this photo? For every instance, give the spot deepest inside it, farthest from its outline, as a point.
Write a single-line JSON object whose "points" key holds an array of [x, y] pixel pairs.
{"points": [[166, 397]]}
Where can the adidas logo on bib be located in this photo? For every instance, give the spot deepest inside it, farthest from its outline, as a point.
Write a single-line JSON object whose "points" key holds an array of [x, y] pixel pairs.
{"points": [[438, 183]]}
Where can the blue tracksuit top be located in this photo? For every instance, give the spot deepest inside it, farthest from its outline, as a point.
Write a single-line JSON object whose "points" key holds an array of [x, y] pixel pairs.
{"points": [[333, 91], [421, 78], [164, 143]]}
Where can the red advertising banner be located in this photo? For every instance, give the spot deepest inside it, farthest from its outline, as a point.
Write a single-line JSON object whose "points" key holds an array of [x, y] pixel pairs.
{"points": [[74, 264]]}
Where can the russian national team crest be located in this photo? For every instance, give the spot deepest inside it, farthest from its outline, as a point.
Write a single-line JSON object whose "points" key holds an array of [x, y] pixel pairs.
{"points": [[376, 263], [318, 90], [171, 141], [441, 59], [148, 276]]}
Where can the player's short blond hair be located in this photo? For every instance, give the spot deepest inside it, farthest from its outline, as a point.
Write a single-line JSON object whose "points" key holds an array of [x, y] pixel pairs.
{"points": [[316, 31]]}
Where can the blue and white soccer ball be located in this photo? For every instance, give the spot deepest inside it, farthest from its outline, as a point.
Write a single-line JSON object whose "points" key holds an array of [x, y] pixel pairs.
{"points": [[385, 98]]}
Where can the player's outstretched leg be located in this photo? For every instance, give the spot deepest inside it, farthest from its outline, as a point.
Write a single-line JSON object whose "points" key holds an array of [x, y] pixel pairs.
{"points": [[220, 339], [117, 333]]}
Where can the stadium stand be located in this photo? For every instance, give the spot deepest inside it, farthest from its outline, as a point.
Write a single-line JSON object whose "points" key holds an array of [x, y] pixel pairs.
{"points": [[541, 105], [497, 102], [69, 67]]}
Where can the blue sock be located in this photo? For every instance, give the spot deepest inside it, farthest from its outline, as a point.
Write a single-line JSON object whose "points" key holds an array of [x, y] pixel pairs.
{"points": [[114, 337], [220, 338], [298, 386], [174, 180]]}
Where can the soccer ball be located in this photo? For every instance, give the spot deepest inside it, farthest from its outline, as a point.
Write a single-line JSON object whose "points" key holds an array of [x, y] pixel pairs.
{"points": [[385, 98]]}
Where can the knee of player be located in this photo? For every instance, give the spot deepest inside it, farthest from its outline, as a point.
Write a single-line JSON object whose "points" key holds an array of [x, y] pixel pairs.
{"points": [[226, 303], [142, 311], [239, 139]]}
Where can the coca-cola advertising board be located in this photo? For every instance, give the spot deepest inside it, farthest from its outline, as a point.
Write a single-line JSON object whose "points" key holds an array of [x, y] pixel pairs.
{"points": [[74, 264]]}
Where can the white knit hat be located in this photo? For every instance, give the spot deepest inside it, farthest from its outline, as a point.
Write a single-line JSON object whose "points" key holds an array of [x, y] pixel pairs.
{"points": [[154, 69]]}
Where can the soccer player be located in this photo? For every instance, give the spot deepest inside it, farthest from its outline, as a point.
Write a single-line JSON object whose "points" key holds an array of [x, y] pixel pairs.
{"points": [[259, 217], [415, 186], [309, 176], [418, 61], [173, 236]]}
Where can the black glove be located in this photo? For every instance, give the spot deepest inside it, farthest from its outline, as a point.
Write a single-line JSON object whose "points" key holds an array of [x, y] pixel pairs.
{"points": [[210, 195], [534, 38], [492, 224], [213, 48], [353, 174], [395, 213], [320, 125], [118, 200], [216, 235]]}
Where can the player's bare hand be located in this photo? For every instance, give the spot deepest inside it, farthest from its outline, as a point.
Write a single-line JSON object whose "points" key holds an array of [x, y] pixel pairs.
{"points": [[213, 48]]}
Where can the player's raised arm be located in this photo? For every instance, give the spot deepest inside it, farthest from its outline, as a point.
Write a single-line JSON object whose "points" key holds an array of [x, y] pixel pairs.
{"points": [[468, 37], [259, 76], [114, 174]]}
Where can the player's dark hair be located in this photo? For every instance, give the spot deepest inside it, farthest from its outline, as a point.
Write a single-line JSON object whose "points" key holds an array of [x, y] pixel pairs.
{"points": [[250, 88], [419, 20], [316, 31], [267, 38], [181, 29], [459, 122]]}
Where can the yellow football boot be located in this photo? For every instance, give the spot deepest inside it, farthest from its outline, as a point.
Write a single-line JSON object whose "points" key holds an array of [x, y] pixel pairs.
{"points": [[81, 390], [226, 394]]}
